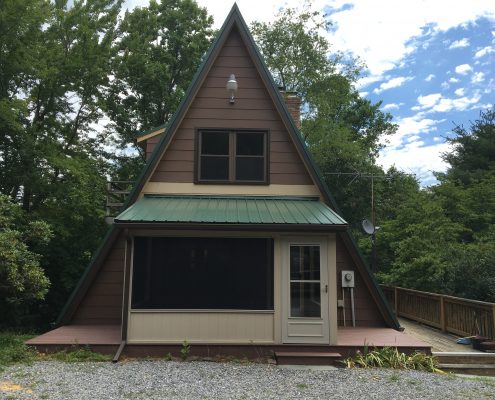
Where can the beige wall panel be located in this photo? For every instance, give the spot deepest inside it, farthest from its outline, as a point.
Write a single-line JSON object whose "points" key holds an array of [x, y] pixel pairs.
{"points": [[258, 190], [200, 327]]}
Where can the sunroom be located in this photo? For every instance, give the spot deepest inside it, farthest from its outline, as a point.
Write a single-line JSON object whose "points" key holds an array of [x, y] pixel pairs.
{"points": [[211, 269]]}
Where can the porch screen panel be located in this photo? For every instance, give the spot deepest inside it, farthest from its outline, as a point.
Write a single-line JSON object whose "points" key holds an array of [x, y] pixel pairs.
{"points": [[202, 273]]}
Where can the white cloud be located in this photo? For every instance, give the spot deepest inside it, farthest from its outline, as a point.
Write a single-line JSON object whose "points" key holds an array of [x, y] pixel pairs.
{"points": [[483, 52], [367, 80], [459, 104], [463, 69], [392, 83], [464, 42], [459, 92], [407, 149], [418, 158], [454, 80], [429, 77], [428, 101], [478, 77], [392, 106], [380, 31]]}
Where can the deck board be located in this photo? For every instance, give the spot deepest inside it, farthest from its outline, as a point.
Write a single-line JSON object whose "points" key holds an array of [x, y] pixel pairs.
{"points": [[361, 336], [440, 341], [79, 335], [110, 335]]}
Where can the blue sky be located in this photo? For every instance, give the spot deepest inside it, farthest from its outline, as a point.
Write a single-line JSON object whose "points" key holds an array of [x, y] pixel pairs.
{"points": [[429, 61]]}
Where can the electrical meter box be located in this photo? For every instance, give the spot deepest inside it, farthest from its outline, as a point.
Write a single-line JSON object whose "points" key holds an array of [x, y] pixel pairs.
{"points": [[348, 279]]}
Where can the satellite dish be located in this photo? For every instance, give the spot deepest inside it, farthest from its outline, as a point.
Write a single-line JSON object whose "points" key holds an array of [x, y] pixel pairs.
{"points": [[368, 226]]}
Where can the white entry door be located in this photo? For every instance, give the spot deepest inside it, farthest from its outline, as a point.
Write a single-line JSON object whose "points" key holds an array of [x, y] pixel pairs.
{"points": [[305, 291]]}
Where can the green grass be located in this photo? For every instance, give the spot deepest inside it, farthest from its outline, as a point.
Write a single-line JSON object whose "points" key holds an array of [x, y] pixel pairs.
{"points": [[13, 350], [76, 354]]}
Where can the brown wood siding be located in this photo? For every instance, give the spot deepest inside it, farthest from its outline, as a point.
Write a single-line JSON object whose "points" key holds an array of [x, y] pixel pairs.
{"points": [[367, 311], [151, 143], [253, 109], [102, 304]]}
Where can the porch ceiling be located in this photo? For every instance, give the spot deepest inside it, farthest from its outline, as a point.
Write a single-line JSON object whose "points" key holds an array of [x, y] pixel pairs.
{"points": [[231, 210]]}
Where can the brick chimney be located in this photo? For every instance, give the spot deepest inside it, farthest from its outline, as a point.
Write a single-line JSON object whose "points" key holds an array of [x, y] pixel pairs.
{"points": [[293, 102]]}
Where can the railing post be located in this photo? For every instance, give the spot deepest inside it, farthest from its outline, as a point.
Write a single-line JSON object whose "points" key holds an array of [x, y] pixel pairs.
{"points": [[396, 301], [442, 315]]}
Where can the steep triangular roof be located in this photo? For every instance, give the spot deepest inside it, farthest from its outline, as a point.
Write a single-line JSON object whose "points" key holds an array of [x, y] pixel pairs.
{"points": [[234, 21]]}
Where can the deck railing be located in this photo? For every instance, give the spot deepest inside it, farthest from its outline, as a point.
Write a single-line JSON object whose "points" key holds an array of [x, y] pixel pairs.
{"points": [[459, 316]]}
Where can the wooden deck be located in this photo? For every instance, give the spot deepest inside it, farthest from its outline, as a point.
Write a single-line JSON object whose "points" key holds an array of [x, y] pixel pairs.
{"points": [[438, 340], [379, 337], [79, 335], [109, 335]]}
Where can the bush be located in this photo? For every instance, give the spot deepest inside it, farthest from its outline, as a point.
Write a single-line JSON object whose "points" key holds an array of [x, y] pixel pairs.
{"points": [[390, 357], [13, 350]]}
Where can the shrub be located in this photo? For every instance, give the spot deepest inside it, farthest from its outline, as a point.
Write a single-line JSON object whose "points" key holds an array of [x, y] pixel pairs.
{"points": [[390, 357]]}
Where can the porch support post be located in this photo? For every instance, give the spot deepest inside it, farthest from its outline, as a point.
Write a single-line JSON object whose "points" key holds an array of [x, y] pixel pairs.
{"points": [[127, 275]]}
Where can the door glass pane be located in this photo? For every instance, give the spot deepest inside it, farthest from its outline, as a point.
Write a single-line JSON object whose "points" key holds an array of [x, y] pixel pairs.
{"points": [[305, 263], [305, 285], [305, 299]]}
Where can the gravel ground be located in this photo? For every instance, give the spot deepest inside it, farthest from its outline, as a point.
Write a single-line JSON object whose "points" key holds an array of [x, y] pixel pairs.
{"points": [[208, 380]]}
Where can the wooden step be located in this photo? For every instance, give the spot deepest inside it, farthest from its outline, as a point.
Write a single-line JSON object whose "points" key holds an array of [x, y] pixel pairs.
{"points": [[469, 369], [465, 358], [306, 358]]}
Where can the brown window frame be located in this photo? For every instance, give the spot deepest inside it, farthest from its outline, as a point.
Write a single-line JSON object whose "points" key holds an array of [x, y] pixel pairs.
{"points": [[232, 156]]}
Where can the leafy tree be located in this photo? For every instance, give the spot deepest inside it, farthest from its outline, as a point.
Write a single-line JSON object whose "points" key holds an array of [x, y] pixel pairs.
{"points": [[52, 159], [22, 279], [442, 239], [473, 154], [159, 50]]}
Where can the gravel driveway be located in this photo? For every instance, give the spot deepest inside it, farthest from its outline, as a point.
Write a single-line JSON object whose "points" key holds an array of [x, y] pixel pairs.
{"points": [[208, 380]]}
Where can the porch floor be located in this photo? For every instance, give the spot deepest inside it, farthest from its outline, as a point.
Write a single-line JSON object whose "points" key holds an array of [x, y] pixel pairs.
{"points": [[110, 335], [79, 335]]}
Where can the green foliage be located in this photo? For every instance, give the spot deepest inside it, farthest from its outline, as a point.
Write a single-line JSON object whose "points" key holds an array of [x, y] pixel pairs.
{"points": [[77, 354], [159, 50], [390, 357], [185, 350], [442, 239], [13, 350], [21, 275]]}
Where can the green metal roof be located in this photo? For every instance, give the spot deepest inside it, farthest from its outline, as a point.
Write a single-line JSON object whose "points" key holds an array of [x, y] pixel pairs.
{"points": [[230, 210]]}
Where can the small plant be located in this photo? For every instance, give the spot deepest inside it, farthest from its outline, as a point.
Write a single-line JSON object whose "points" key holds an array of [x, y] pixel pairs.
{"points": [[185, 350], [168, 357], [390, 357], [78, 354], [302, 386]]}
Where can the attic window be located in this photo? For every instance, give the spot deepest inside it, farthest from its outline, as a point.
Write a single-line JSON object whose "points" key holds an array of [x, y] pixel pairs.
{"points": [[232, 156]]}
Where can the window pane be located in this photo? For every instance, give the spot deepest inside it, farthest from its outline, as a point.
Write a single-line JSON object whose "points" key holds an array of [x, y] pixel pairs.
{"points": [[214, 168], [249, 168], [202, 273], [216, 143], [305, 299], [250, 144], [305, 263]]}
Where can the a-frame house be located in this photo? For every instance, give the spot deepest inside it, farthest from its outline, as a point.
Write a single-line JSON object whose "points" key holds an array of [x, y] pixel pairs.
{"points": [[230, 237]]}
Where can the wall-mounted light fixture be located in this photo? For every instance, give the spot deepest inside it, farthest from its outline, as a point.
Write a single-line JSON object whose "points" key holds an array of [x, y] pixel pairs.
{"points": [[232, 88]]}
